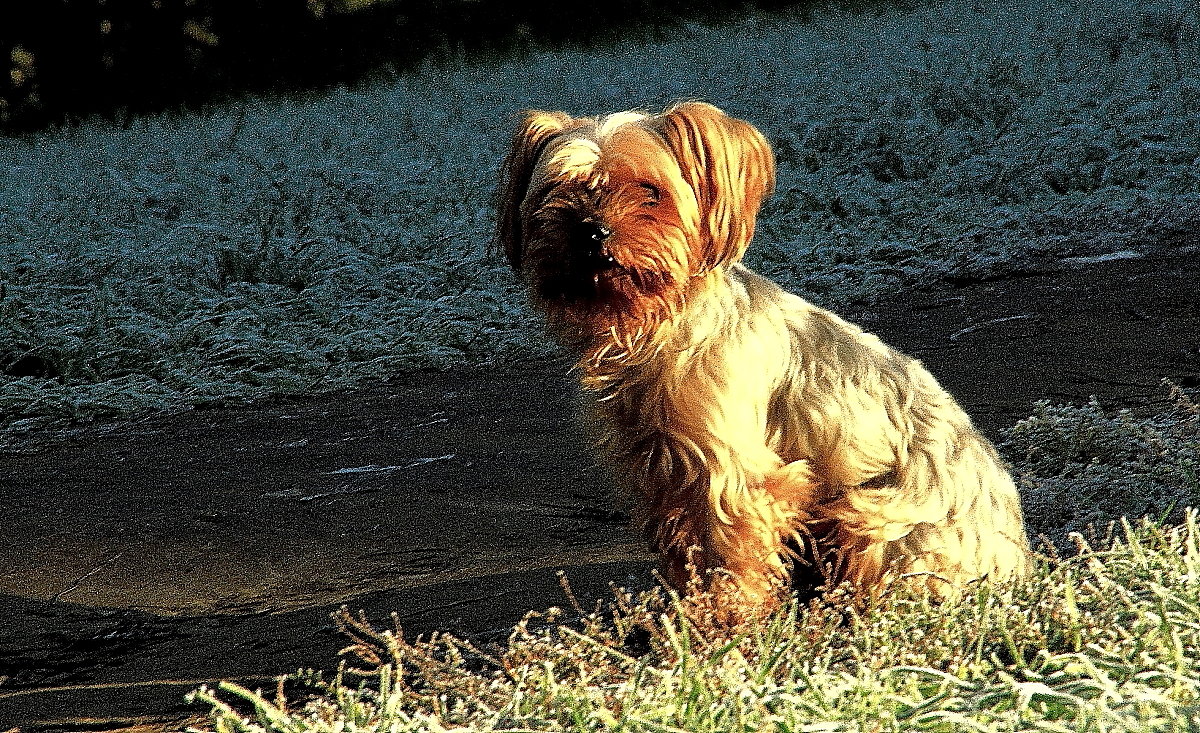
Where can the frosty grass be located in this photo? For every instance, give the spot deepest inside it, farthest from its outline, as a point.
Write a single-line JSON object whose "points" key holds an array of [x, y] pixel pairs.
{"points": [[282, 245]]}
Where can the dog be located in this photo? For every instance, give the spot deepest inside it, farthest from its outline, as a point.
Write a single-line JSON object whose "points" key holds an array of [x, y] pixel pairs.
{"points": [[768, 444]]}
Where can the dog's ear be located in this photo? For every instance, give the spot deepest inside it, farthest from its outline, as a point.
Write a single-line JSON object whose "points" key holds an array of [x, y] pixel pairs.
{"points": [[530, 140], [730, 167]]}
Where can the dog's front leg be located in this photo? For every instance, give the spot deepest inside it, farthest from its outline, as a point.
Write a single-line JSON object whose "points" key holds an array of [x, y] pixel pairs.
{"points": [[721, 512]]}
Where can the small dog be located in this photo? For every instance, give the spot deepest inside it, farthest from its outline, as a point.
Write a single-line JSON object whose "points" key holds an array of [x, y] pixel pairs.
{"points": [[767, 441]]}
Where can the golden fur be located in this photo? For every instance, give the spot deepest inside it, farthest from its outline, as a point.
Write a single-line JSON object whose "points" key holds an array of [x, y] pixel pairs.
{"points": [[764, 438]]}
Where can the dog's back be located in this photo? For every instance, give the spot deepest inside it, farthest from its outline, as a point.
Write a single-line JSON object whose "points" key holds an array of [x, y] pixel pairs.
{"points": [[910, 486]]}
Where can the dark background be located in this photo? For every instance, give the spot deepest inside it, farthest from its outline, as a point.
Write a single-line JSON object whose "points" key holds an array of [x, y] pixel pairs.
{"points": [[68, 59]]}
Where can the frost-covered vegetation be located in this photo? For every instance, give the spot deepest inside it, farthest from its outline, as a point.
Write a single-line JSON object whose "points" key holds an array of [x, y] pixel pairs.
{"points": [[282, 245], [1103, 636], [1079, 466], [1105, 641]]}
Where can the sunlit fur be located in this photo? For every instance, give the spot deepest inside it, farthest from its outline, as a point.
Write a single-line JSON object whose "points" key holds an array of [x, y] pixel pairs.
{"points": [[766, 440]]}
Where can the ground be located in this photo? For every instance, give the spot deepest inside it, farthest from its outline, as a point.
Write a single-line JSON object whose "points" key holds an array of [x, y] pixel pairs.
{"points": [[143, 558]]}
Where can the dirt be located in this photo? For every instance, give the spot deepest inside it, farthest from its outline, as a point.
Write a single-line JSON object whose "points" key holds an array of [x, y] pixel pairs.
{"points": [[141, 559]]}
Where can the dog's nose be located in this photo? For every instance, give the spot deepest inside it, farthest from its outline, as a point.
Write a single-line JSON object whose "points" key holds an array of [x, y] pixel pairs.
{"points": [[592, 237], [595, 232]]}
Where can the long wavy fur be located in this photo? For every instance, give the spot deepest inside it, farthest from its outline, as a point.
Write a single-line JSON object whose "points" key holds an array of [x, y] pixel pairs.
{"points": [[768, 442]]}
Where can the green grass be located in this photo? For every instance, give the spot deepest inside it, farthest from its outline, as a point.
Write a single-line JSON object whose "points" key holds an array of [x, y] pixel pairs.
{"points": [[1108, 640], [1104, 635]]}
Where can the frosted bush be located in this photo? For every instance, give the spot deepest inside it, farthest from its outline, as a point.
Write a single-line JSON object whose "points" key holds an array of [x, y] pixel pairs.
{"points": [[1081, 466]]}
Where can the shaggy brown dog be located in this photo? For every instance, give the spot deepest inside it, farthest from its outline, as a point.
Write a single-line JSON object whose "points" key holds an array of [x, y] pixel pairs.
{"points": [[754, 428]]}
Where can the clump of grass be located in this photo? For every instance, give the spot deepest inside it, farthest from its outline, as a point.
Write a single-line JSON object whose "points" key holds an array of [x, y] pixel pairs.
{"points": [[1105, 640], [1082, 465]]}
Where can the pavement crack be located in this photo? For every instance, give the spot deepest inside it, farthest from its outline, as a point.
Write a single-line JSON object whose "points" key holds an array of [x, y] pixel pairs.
{"points": [[79, 581]]}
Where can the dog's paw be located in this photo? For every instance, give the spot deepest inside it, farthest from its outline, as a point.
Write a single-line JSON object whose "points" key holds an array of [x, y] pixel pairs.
{"points": [[794, 483]]}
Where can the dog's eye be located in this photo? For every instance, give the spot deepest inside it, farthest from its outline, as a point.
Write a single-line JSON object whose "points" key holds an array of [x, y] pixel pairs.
{"points": [[652, 194]]}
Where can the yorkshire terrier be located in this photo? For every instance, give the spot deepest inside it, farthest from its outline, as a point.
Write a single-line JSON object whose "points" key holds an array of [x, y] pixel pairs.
{"points": [[767, 442]]}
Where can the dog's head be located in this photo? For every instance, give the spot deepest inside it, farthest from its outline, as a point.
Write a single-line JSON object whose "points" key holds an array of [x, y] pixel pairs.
{"points": [[609, 218]]}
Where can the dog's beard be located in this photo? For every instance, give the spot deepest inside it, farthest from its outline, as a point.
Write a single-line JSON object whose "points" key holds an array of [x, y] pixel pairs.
{"points": [[596, 287]]}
